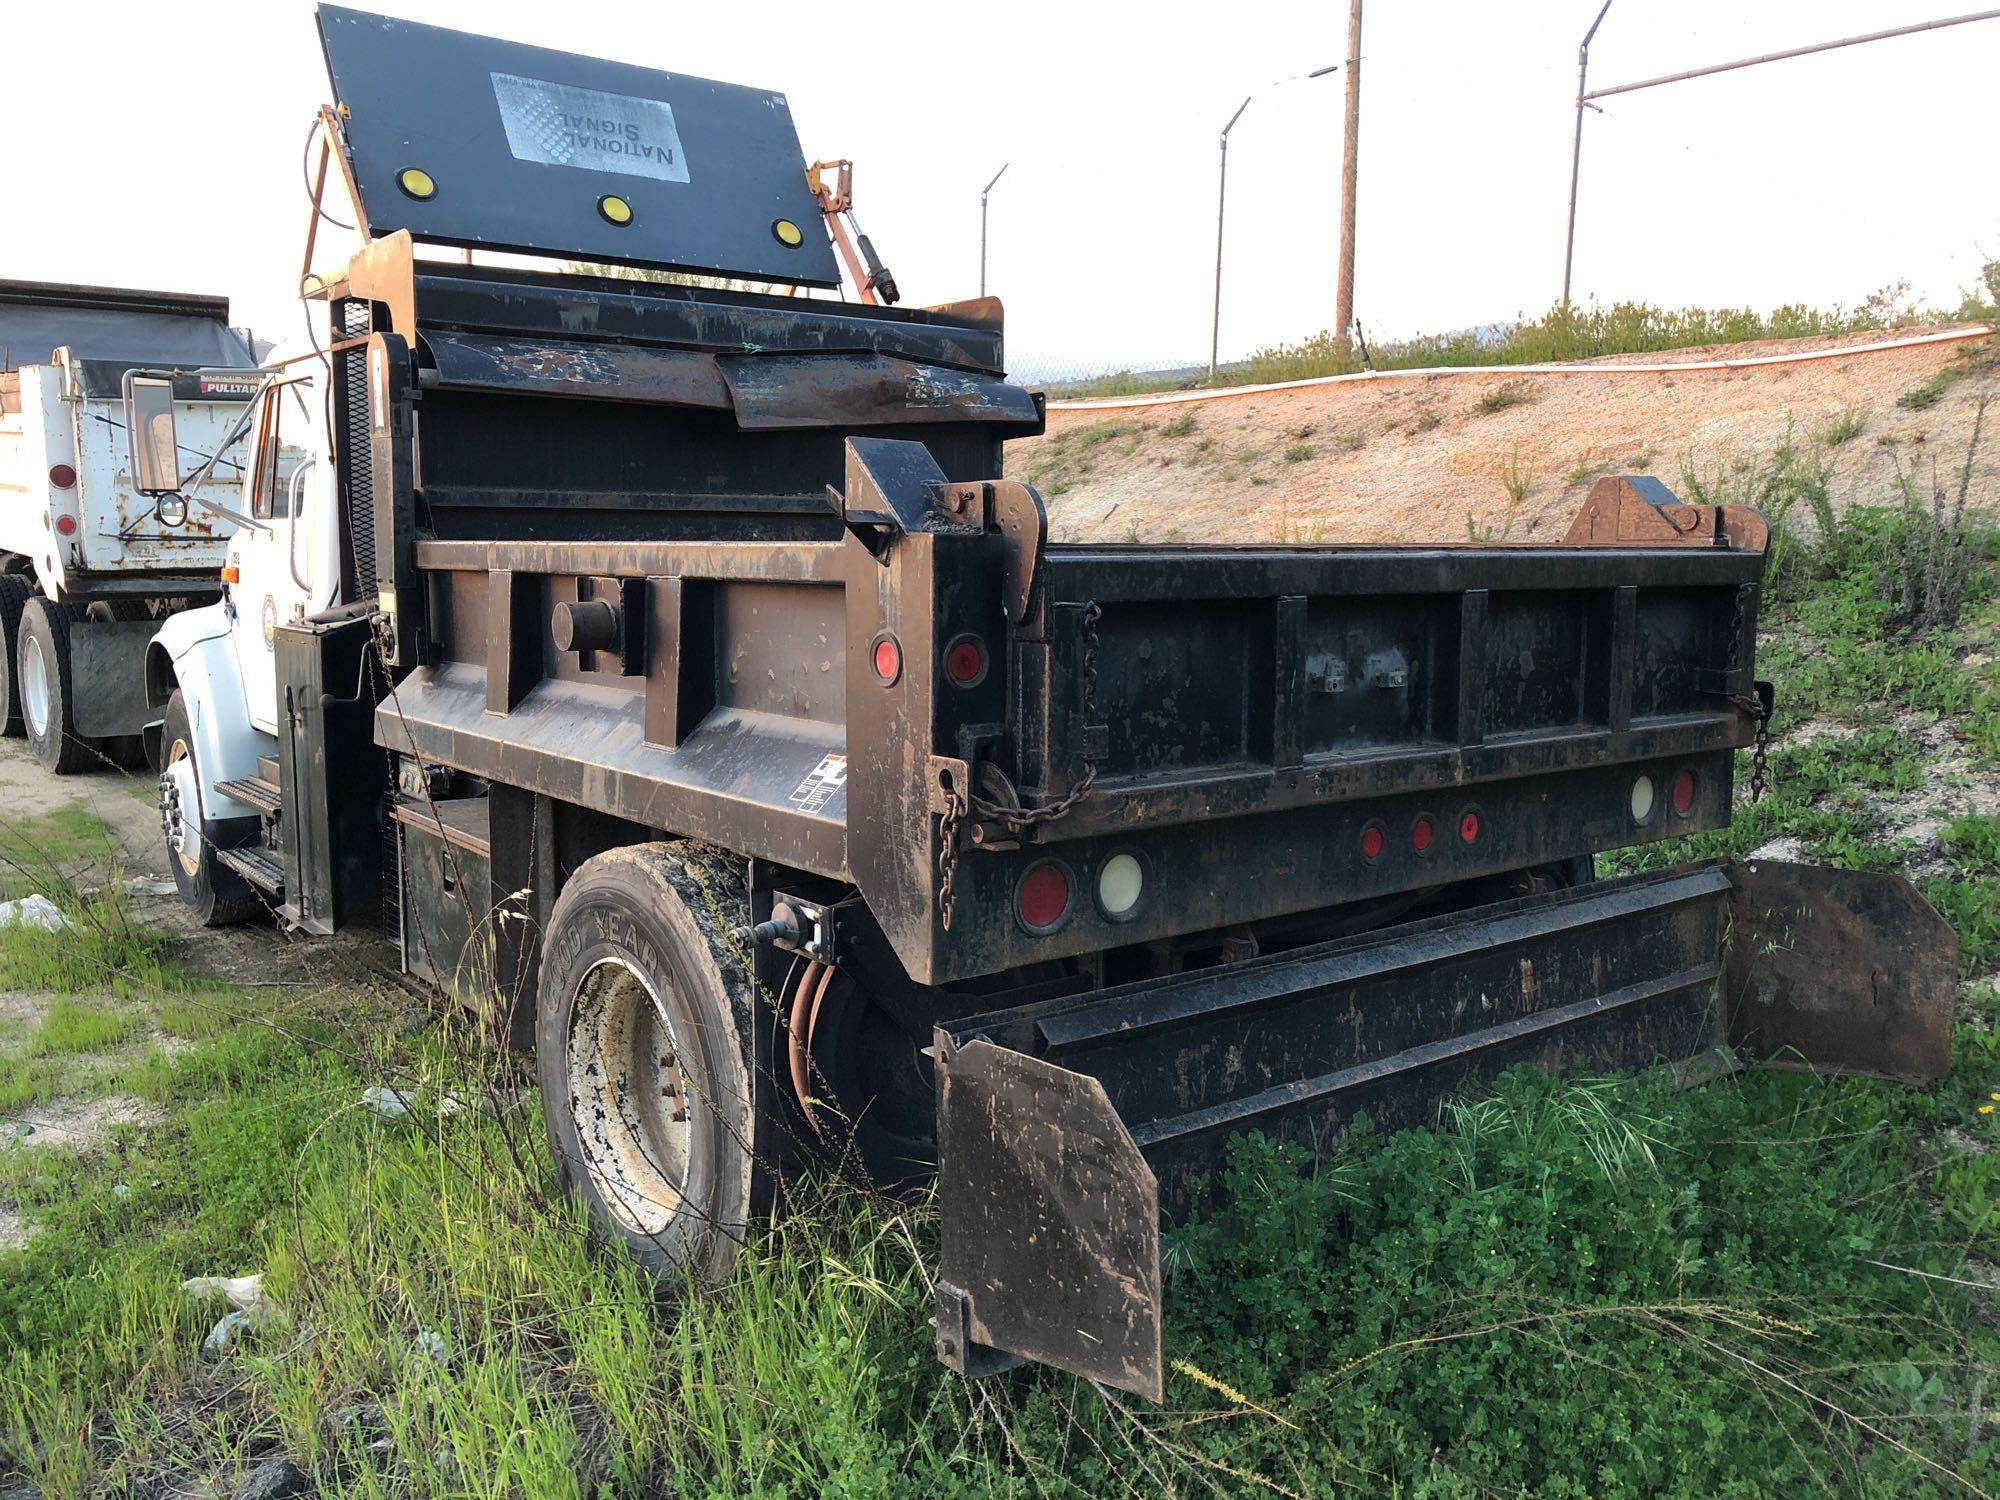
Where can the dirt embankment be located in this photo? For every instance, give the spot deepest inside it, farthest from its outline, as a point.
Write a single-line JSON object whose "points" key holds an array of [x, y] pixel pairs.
{"points": [[1501, 453]]}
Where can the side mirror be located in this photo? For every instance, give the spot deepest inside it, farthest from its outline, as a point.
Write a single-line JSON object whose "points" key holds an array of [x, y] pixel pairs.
{"points": [[171, 510], [154, 455]]}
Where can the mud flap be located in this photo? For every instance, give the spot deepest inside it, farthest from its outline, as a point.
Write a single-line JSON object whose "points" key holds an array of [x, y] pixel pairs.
{"points": [[107, 668], [1058, 1177], [1839, 971], [1070, 1129]]}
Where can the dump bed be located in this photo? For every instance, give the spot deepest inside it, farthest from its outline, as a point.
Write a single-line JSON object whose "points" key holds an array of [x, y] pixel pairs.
{"points": [[771, 498], [64, 351]]}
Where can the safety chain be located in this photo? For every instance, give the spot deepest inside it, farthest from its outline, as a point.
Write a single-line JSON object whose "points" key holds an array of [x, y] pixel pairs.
{"points": [[947, 855], [1760, 708], [958, 801]]}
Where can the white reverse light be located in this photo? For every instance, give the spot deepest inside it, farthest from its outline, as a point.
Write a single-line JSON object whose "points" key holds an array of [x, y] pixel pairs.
{"points": [[1118, 885], [1642, 799]]}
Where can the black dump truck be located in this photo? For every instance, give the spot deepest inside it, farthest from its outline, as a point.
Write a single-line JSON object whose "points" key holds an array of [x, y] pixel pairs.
{"points": [[706, 707]]}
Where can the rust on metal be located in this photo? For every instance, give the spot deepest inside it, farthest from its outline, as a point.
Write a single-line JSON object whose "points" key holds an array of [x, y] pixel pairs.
{"points": [[1636, 510]]}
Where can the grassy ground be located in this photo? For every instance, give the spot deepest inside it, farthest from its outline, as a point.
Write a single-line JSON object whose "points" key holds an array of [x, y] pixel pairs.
{"points": [[1563, 334], [1772, 1284]]}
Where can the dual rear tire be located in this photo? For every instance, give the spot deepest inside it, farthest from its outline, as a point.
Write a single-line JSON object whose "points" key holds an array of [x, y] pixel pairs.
{"points": [[36, 683], [14, 594], [42, 683], [644, 1021]]}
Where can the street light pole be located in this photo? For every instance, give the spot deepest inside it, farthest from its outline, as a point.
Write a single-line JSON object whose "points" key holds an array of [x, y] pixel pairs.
{"points": [[1221, 201], [982, 223], [1576, 145]]}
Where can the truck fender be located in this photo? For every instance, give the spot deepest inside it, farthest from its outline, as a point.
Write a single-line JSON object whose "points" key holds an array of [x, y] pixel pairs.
{"points": [[191, 651]]}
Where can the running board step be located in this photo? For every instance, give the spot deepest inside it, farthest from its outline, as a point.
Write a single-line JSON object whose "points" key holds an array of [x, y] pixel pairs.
{"points": [[256, 864], [254, 791], [1068, 1129]]}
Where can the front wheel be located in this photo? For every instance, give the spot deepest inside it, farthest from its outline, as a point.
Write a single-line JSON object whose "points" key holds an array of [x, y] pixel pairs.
{"points": [[643, 1031], [213, 892]]}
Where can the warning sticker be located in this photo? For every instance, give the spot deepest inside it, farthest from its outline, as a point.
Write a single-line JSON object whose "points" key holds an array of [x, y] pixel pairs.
{"points": [[820, 785], [561, 126]]}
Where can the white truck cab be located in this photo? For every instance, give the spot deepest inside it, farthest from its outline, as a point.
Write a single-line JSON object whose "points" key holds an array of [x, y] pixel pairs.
{"points": [[211, 672]]}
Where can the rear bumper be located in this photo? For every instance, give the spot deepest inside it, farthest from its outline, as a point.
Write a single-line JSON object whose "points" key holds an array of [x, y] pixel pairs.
{"points": [[1069, 1130]]}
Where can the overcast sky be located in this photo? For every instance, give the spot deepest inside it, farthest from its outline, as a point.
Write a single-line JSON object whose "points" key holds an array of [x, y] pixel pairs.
{"points": [[159, 145]]}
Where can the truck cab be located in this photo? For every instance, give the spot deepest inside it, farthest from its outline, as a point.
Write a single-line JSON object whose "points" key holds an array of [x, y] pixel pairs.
{"points": [[88, 563], [211, 674]]}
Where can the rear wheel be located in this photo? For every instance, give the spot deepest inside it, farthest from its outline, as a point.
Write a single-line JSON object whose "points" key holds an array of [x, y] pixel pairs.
{"points": [[213, 892], [644, 1057], [42, 676], [13, 598]]}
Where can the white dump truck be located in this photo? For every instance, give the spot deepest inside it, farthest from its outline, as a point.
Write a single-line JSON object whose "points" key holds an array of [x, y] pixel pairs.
{"points": [[89, 565]]}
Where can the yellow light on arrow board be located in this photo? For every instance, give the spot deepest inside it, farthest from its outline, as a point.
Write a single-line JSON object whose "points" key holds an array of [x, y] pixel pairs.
{"points": [[788, 233], [417, 183], [615, 209]]}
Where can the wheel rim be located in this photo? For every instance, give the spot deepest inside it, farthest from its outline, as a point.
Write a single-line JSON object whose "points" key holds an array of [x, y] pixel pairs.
{"points": [[628, 1099], [34, 685], [177, 814]]}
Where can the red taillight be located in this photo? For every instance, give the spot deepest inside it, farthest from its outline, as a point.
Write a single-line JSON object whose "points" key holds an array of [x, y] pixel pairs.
{"points": [[1422, 832], [888, 659], [1042, 898], [1683, 793], [1468, 827], [66, 525], [965, 661], [62, 476], [1371, 842]]}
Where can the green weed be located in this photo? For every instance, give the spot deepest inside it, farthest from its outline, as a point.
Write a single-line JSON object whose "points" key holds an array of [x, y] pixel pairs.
{"points": [[1923, 397], [99, 947], [1563, 334], [1501, 397]]}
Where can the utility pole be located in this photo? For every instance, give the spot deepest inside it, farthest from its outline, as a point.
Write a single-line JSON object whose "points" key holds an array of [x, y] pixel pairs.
{"points": [[1576, 146], [1221, 202], [982, 219], [1350, 164]]}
